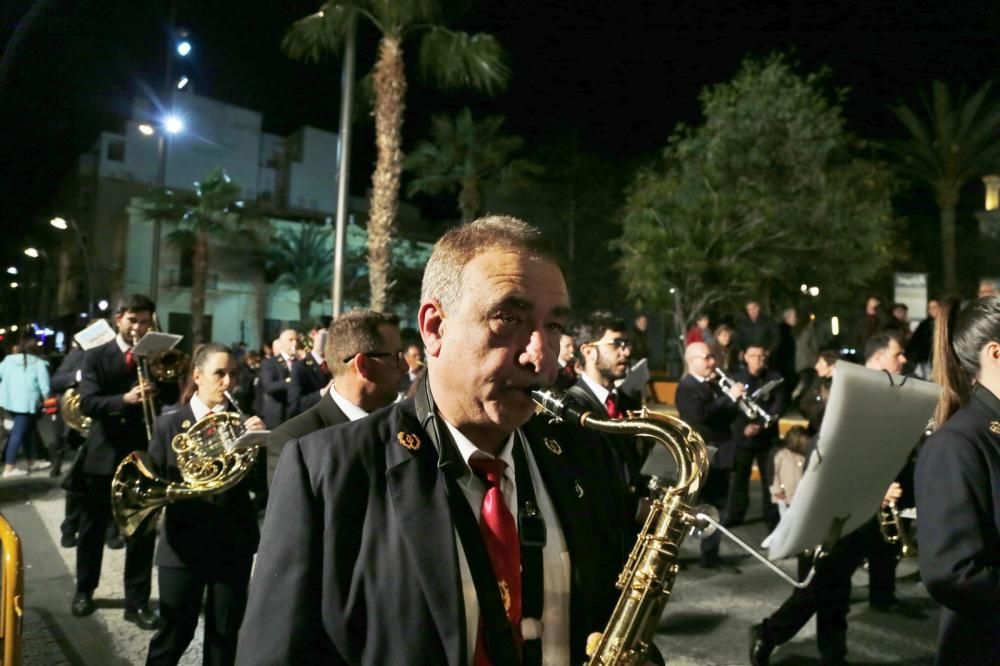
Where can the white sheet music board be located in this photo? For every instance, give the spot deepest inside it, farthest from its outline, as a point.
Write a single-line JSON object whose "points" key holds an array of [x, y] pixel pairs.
{"points": [[638, 377], [868, 431], [153, 343], [95, 335]]}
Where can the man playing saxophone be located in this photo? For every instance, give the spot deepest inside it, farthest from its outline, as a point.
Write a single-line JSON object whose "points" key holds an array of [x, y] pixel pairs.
{"points": [[110, 395], [451, 527]]}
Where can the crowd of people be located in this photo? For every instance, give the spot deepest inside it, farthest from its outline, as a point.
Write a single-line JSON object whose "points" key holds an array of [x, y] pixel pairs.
{"points": [[416, 510]]}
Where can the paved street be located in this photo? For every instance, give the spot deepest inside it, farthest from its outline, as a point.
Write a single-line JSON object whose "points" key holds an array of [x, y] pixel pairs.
{"points": [[706, 621]]}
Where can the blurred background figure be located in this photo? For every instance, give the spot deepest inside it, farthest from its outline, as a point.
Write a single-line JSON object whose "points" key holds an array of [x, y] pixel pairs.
{"points": [[24, 384], [700, 331]]}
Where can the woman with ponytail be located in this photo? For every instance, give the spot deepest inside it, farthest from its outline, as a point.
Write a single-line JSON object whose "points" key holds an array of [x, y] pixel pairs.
{"points": [[958, 485]]}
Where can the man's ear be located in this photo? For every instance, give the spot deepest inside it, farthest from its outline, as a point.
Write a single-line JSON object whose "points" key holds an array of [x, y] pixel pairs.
{"points": [[431, 322], [362, 364]]}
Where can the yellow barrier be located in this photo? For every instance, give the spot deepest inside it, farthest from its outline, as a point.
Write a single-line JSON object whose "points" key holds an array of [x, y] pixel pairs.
{"points": [[12, 601]]}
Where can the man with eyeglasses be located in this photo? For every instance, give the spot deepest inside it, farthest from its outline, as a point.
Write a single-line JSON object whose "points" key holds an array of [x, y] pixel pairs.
{"points": [[364, 354], [605, 348], [753, 440]]}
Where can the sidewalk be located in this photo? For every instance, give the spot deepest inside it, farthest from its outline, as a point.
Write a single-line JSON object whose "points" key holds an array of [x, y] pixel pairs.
{"points": [[34, 506]]}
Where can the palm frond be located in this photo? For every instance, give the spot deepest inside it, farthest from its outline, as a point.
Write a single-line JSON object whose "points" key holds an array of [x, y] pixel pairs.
{"points": [[321, 34], [460, 60]]}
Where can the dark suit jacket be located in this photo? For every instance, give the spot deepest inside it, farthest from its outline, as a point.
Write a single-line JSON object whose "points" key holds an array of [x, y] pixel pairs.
{"points": [[958, 506], [275, 378], [308, 377], [117, 428], [774, 403], [710, 413], [64, 378], [358, 560], [323, 414], [205, 535]]}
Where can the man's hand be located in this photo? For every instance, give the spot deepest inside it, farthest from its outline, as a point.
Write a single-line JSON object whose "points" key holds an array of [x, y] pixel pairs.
{"points": [[751, 430], [736, 391], [134, 396], [894, 492], [254, 423]]}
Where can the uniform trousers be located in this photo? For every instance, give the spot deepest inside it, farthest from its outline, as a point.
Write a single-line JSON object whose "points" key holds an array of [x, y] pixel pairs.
{"points": [[181, 591], [94, 520], [739, 486], [716, 489], [827, 596]]}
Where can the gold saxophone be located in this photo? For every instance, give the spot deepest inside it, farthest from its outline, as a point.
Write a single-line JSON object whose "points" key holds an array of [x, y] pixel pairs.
{"points": [[648, 576]]}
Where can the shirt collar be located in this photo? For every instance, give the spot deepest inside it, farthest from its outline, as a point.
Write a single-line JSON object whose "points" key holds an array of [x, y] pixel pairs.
{"points": [[351, 411], [467, 449], [122, 345], [599, 391], [201, 410]]}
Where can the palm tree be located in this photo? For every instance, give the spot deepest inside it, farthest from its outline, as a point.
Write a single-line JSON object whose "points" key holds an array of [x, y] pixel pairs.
{"points": [[454, 59], [214, 210], [302, 260], [952, 141], [466, 155]]}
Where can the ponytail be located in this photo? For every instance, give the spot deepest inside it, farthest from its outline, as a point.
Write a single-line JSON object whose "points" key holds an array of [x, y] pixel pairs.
{"points": [[947, 369]]}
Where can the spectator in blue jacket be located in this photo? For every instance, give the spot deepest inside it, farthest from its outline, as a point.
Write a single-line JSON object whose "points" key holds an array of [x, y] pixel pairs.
{"points": [[24, 384]]}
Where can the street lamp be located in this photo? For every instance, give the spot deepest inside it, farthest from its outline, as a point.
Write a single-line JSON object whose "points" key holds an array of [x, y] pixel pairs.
{"points": [[62, 224], [11, 270], [31, 252]]}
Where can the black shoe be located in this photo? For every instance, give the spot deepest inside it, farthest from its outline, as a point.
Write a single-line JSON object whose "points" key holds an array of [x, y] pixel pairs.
{"points": [[144, 618], [898, 607], [760, 647], [115, 542], [68, 541], [83, 604]]}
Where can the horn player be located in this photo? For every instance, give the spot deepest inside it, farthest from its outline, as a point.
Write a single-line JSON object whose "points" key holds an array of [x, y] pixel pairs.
{"points": [[206, 544]]}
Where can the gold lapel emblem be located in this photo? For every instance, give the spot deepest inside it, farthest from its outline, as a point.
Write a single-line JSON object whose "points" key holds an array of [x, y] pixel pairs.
{"points": [[185, 424], [408, 441], [505, 595], [578, 489], [553, 446], [995, 427]]}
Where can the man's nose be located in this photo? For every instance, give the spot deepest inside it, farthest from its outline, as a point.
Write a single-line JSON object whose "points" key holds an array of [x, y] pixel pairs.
{"points": [[534, 353]]}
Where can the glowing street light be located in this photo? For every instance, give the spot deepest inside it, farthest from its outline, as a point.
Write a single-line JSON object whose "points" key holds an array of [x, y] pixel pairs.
{"points": [[59, 223], [814, 291], [102, 305], [13, 285], [183, 48], [146, 129], [12, 270], [31, 252], [173, 124], [182, 82]]}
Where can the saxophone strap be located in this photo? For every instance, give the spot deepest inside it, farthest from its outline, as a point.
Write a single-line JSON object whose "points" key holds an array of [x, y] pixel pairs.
{"points": [[499, 635]]}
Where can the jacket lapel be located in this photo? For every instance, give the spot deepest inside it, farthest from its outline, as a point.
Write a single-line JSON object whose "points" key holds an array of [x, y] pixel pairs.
{"points": [[417, 491]]}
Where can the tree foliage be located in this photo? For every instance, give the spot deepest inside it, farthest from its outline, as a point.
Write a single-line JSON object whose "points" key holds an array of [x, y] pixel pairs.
{"points": [[467, 156], [450, 58], [214, 211], [768, 193], [302, 259], [952, 140]]}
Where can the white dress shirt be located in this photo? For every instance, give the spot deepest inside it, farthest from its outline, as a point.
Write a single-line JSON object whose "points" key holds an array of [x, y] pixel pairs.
{"points": [[599, 391], [201, 410], [351, 411], [555, 555]]}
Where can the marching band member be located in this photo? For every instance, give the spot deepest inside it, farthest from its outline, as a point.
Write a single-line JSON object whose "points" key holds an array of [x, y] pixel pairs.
{"points": [[205, 544], [958, 485], [111, 396]]}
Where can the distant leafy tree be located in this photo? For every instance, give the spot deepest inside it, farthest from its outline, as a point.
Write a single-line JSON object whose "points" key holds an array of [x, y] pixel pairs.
{"points": [[213, 212], [465, 155], [302, 259], [768, 193], [454, 59], [952, 140]]}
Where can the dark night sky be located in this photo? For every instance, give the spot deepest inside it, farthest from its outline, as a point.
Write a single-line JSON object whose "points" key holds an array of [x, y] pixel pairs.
{"points": [[622, 74]]}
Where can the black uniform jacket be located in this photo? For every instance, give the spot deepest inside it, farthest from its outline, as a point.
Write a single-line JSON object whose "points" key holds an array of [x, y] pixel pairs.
{"points": [[774, 403], [323, 414], [711, 413], [958, 508], [117, 428], [275, 379], [308, 377], [64, 378], [204, 534], [358, 560]]}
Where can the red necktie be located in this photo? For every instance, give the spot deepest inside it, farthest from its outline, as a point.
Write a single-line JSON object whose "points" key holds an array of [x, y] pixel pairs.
{"points": [[499, 532], [129, 360], [612, 406]]}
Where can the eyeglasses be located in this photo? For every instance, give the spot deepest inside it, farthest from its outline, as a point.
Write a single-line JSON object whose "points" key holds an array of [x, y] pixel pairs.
{"points": [[398, 355], [618, 343]]}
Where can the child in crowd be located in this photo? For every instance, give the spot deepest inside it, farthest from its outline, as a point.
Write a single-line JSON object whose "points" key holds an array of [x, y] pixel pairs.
{"points": [[789, 466]]}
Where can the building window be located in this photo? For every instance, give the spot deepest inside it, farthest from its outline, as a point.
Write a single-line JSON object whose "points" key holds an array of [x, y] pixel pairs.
{"points": [[116, 150]]}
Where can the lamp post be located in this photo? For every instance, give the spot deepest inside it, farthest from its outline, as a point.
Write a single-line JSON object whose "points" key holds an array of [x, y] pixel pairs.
{"points": [[35, 253], [63, 224]]}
